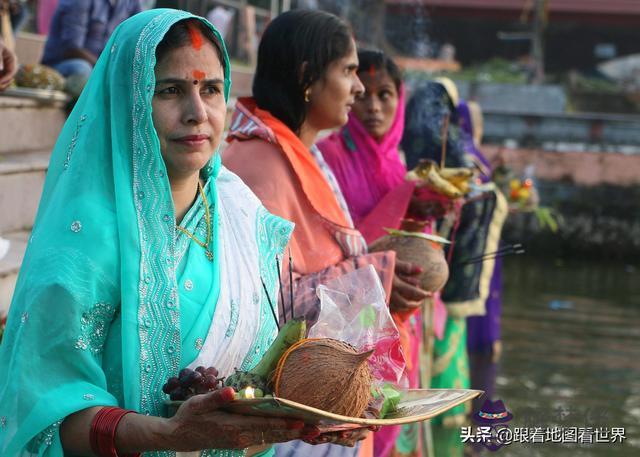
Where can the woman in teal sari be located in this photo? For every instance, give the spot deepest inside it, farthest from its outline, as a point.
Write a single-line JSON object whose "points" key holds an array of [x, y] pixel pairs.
{"points": [[146, 257]]}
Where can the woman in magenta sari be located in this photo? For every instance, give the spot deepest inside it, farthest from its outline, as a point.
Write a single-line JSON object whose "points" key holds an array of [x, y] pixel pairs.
{"points": [[364, 157]]}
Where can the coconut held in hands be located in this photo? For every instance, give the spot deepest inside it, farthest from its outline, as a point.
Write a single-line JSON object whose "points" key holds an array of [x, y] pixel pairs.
{"points": [[326, 374], [412, 246]]}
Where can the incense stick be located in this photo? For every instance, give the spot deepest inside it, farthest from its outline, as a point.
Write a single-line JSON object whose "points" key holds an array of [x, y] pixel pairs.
{"points": [[485, 256], [270, 304], [291, 283], [284, 310], [443, 135], [508, 247], [493, 257]]}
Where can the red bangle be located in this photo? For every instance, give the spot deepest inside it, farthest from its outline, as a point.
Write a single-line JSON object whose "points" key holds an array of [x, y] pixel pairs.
{"points": [[103, 432]]}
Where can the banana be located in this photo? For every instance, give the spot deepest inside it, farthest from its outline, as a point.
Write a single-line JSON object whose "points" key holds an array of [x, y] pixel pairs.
{"points": [[463, 186], [413, 176], [421, 170], [292, 332], [459, 177], [428, 172], [456, 174], [441, 185]]}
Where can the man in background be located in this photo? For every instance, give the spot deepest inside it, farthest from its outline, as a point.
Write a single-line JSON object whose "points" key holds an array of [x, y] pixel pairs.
{"points": [[80, 30]]}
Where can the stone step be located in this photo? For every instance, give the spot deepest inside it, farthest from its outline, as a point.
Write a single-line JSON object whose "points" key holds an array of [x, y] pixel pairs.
{"points": [[28, 124], [10, 266], [21, 180]]}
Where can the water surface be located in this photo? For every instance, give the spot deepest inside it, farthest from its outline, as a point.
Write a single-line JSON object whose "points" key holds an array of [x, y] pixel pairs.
{"points": [[571, 337]]}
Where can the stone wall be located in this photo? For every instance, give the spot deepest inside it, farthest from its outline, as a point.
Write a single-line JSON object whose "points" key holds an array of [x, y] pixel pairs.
{"points": [[579, 167]]}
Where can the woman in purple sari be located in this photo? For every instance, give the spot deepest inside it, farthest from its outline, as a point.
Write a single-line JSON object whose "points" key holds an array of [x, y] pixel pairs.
{"points": [[483, 332]]}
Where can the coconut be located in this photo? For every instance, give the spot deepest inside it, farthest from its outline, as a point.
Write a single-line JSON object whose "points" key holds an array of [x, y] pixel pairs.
{"points": [[326, 374], [411, 247]]}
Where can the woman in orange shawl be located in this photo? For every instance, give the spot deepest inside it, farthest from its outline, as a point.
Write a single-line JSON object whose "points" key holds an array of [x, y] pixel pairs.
{"points": [[305, 82]]}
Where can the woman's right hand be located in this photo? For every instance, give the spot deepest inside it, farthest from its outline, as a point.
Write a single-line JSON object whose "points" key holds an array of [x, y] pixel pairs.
{"points": [[200, 424], [406, 294]]}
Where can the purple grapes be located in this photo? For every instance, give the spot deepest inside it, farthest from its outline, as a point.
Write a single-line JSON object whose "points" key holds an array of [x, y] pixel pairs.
{"points": [[192, 382]]}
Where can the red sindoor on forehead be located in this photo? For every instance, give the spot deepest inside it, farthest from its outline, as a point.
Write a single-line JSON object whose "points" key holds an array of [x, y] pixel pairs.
{"points": [[198, 74], [195, 35]]}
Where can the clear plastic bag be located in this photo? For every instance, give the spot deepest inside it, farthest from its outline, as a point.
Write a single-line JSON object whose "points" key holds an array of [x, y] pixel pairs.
{"points": [[353, 309]]}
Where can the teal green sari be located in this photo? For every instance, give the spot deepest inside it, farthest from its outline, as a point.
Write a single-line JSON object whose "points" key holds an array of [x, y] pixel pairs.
{"points": [[110, 301]]}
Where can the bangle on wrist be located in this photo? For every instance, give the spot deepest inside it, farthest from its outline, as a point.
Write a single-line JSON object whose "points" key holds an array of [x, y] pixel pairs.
{"points": [[103, 432]]}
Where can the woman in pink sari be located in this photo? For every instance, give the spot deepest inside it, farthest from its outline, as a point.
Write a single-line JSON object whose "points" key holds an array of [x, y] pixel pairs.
{"points": [[364, 157]]}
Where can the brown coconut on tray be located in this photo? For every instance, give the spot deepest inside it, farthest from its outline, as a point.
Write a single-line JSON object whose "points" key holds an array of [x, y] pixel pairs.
{"points": [[326, 374]]}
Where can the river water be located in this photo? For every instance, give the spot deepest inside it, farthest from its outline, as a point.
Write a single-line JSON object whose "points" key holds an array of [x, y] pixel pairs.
{"points": [[571, 353]]}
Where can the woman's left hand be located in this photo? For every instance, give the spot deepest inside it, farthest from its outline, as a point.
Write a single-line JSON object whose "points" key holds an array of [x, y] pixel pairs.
{"points": [[347, 438]]}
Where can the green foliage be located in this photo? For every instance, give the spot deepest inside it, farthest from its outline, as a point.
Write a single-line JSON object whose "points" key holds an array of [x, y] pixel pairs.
{"points": [[495, 70], [546, 218], [591, 84]]}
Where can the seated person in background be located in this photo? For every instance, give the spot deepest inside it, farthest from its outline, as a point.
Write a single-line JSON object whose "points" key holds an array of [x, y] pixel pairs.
{"points": [[79, 32]]}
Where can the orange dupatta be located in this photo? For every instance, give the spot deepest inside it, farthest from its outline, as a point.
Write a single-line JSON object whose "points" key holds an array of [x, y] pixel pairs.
{"points": [[313, 182]]}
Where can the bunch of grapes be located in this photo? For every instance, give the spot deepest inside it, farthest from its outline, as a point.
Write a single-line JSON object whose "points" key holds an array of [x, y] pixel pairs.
{"points": [[192, 382]]}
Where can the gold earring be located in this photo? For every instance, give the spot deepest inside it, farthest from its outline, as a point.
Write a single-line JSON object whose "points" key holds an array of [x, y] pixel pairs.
{"points": [[307, 95]]}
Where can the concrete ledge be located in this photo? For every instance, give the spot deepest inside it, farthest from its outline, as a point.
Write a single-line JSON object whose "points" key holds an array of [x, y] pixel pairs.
{"points": [[26, 125], [21, 181], [24, 162], [21, 97]]}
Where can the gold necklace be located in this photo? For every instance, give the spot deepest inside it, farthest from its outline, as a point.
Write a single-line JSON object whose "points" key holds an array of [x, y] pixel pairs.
{"points": [[207, 218]]}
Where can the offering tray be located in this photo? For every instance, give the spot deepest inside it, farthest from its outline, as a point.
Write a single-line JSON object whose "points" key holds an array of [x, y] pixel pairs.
{"points": [[415, 405]]}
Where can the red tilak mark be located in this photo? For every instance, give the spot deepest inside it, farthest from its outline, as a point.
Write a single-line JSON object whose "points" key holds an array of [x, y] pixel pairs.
{"points": [[196, 37], [198, 74], [372, 70]]}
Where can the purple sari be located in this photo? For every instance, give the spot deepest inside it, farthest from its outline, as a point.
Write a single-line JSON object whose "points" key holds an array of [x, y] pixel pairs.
{"points": [[482, 331]]}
